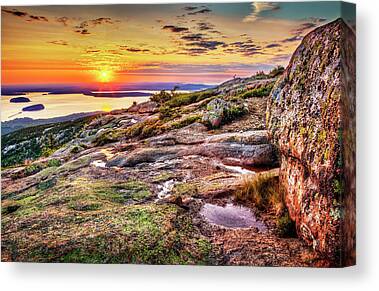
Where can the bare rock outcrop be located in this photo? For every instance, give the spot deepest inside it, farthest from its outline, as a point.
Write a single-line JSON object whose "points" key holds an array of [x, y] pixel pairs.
{"points": [[311, 118]]}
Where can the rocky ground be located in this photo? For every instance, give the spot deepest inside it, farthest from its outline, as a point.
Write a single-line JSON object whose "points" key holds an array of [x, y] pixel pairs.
{"points": [[138, 187]]}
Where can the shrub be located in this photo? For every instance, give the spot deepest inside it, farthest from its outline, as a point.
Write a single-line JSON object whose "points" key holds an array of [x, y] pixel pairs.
{"points": [[54, 163], [161, 97], [76, 149], [182, 99], [33, 169], [135, 130], [166, 113], [186, 121], [108, 136], [276, 71], [144, 129], [44, 185], [259, 92], [235, 111]]}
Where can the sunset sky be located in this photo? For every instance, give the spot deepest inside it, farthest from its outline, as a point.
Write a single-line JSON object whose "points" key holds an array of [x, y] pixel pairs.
{"points": [[199, 43]]}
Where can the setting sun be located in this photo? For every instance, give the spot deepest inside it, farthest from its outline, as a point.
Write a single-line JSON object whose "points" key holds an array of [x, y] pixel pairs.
{"points": [[105, 76]]}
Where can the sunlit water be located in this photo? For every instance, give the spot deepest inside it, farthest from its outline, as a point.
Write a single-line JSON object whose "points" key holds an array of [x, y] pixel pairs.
{"points": [[64, 104]]}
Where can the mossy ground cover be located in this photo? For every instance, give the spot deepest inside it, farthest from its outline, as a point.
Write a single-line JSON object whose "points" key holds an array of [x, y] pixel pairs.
{"points": [[84, 220]]}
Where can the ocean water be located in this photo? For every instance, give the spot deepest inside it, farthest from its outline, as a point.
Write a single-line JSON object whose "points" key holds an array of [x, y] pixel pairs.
{"points": [[64, 104]]}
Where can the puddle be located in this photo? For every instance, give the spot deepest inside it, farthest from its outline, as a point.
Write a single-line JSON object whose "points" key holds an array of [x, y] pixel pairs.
{"points": [[231, 216]]}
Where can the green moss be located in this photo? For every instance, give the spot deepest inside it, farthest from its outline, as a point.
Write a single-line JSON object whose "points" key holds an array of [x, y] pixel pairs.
{"points": [[54, 163], [44, 185], [166, 113], [326, 154], [84, 256], [76, 149], [85, 206], [182, 99], [338, 187], [145, 129], [109, 136], [74, 165], [187, 189], [259, 92], [335, 213], [163, 177], [186, 121], [303, 131], [33, 169], [27, 200], [205, 249], [130, 191], [321, 136]]}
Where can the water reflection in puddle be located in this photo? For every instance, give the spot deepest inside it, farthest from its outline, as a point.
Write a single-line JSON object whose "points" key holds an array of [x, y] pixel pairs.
{"points": [[231, 216]]}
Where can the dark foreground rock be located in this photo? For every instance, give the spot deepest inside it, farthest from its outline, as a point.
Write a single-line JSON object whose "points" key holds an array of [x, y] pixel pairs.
{"points": [[311, 117]]}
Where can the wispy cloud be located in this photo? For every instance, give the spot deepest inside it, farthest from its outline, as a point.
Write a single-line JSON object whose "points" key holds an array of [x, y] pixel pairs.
{"points": [[25, 15], [168, 68], [246, 48], [201, 11], [133, 49], [259, 7], [293, 38], [82, 28], [190, 8], [273, 45], [205, 26], [303, 28], [64, 20], [174, 28], [58, 42]]}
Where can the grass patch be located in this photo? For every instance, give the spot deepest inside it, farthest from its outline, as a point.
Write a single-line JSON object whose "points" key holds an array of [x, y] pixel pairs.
{"points": [[263, 190], [44, 185], [108, 136], [259, 92], [163, 177], [186, 121], [33, 169], [183, 99], [185, 189], [54, 163]]}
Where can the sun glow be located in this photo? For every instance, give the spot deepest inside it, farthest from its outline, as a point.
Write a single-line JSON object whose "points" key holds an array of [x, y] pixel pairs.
{"points": [[106, 107], [104, 76]]}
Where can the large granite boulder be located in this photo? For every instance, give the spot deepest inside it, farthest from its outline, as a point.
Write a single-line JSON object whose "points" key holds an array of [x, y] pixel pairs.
{"points": [[311, 119], [216, 112]]}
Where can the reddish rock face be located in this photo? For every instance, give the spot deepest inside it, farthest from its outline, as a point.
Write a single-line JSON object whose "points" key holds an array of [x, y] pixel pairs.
{"points": [[311, 118]]}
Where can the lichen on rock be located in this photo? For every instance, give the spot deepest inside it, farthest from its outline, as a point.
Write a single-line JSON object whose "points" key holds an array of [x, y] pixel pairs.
{"points": [[311, 118]]}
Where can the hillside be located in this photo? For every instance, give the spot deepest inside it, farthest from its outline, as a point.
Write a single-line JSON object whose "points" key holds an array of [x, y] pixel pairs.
{"points": [[19, 123], [185, 178], [147, 179]]}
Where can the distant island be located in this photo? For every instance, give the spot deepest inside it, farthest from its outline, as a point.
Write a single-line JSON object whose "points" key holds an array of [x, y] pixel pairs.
{"points": [[94, 90]]}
